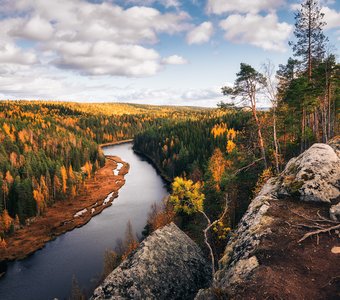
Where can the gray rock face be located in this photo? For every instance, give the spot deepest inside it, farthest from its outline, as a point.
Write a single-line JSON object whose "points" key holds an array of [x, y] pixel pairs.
{"points": [[239, 260], [314, 175], [334, 212], [167, 265]]}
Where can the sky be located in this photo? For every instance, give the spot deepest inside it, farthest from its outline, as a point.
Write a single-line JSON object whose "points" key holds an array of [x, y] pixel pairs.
{"points": [[171, 52]]}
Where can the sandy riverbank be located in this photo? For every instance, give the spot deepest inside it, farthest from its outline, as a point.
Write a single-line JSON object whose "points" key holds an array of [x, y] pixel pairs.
{"points": [[66, 215]]}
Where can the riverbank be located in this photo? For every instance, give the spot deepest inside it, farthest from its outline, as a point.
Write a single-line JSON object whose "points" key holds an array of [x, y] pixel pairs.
{"points": [[63, 216], [148, 158], [116, 143]]}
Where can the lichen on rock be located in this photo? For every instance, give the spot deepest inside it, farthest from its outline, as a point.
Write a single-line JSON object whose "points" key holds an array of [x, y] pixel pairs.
{"points": [[167, 265], [313, 176]]}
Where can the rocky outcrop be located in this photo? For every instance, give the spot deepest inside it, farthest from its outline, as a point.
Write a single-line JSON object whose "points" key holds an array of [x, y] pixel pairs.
{"points": [[239, 259], [167, 265], [312, 176]]}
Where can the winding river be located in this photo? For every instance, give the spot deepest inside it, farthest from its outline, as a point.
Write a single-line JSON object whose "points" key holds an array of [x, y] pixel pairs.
{"points": [[48, 273]]}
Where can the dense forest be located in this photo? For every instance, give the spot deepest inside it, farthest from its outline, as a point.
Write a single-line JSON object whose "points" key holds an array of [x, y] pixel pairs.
{"points": [[48, 149]]}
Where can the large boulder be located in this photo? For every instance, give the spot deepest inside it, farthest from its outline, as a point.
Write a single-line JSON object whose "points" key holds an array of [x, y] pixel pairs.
{"points": [[313, 176], [167, 265]]}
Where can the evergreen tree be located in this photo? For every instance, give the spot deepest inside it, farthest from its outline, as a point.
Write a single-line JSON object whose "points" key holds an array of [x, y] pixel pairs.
{"points": [[248, 83], [310, 40]]}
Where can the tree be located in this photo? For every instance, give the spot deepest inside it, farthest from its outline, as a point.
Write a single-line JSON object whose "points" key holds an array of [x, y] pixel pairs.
{"points": [[187, 197], [248, 83], [6, 221], [217, 166], [63, 173], [310, 40], [76, 293], [272, 95], [310, 47], [130, 242]]}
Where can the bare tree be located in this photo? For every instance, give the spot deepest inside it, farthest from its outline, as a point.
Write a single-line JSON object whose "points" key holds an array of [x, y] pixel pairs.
{"points": [[272, 94]]}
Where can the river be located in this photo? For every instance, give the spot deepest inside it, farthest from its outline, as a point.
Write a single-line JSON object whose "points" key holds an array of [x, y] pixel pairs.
{"points": [[47, 274]]}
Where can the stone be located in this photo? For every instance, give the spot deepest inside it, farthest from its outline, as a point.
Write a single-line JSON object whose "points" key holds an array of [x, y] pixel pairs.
{"points": [[313, 176], [239, 261], [334, 212], [167, 265]]}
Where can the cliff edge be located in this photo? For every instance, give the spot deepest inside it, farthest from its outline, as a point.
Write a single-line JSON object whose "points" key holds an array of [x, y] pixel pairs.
{"points": [[167, 265], [287, 245]]}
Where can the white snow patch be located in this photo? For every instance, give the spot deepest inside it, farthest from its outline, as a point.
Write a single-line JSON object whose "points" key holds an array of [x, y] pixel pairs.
{"points": [[92, 210], [116, 171], [108, 198], [80, 213]]}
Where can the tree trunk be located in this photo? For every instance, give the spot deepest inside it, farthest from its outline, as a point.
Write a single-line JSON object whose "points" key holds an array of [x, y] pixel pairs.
{"points": [[259, 133], [303, 121], [310, 44], [275, 143]]}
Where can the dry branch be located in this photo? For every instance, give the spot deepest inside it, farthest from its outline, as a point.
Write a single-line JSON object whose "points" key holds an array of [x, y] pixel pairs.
{"points": [[318, 231]]}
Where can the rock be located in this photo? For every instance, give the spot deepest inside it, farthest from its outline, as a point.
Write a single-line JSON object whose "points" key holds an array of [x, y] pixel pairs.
{"points": [[335, 250], [313, 176], [334, 212], [167, 265], [239, 261]]}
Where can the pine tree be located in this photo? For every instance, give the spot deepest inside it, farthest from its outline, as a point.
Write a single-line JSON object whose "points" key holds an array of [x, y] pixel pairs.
{"points": [[310, 40], [247, 84], [310, 46]]}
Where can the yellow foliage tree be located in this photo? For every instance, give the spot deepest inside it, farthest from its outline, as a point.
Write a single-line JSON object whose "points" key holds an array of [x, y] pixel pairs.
{"points": [[6, 221], [3, 243], [9, 178], [230, 146], [217, 166], [63, 174], [186, 196], [219, 129], [87, 169]]}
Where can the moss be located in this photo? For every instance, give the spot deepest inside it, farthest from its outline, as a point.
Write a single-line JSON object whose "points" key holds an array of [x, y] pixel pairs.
{"points": [[295, 186], [292, 169]]}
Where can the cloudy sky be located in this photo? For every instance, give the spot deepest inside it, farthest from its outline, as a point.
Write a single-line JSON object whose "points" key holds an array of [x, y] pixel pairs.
{"points": [[153, 51]]}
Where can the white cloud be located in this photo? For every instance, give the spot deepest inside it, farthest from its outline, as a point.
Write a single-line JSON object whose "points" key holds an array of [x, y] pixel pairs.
{"points": [[165, 3], [261, 31], [105, 57], [35, 28], [242, 6], [201, 34], [96, 39], [332, 17], [11, 54], [174, 60]]}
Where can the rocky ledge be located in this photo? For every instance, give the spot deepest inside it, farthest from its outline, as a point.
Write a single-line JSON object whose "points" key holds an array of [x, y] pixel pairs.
{"points": [[269, 255], [167, 265]]}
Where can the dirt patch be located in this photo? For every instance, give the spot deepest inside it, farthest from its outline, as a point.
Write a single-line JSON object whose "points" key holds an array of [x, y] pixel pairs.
{"points": [[292, 270], [66, 215]]}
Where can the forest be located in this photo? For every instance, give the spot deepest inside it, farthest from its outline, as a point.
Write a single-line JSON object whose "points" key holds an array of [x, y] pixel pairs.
{"points": [[48, 149]]}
